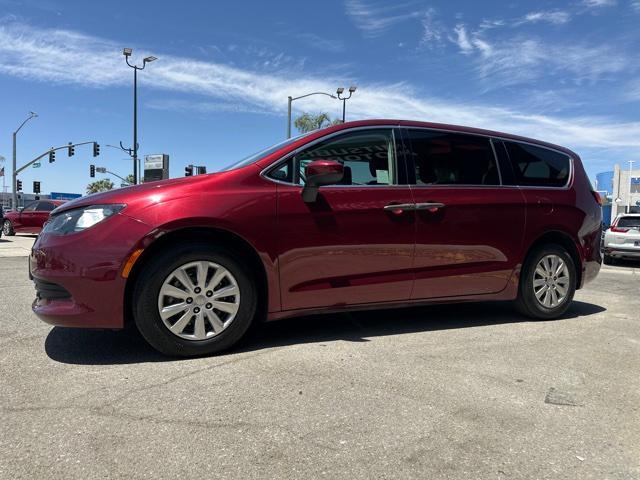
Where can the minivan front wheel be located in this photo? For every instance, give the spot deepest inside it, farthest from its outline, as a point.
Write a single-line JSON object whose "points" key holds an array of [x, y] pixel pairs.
{"points": [[547, 283], [194, 300]]}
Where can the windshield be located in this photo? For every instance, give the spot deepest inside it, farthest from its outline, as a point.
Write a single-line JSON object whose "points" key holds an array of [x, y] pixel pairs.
{"points": [[262, 153], [629, 222]]}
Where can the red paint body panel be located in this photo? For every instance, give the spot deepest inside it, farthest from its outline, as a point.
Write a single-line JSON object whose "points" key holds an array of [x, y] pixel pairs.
{"points": [[343, 251]]}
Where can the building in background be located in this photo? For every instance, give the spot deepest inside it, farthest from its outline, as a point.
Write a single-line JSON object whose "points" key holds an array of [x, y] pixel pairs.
{"points": [[626, 191], [604, 183]]}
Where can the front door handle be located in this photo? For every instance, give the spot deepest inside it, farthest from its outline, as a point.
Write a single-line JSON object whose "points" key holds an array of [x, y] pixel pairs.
{"points": [[431, 206], [399, 208]]}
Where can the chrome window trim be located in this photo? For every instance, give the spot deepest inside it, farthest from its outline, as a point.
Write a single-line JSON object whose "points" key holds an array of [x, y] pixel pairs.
{"points": [[566, 186], [276, 163]]}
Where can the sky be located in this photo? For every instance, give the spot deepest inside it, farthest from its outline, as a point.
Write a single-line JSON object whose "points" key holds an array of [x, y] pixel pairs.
{"points": [[564, 72]]}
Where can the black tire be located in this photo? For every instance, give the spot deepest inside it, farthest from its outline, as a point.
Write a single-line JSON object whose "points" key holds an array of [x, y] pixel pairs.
{"points": [[7, 228], [527, 303], [147, 288]]}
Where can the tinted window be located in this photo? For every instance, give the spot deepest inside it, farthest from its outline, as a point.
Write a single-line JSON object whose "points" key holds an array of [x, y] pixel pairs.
{"points": [[442, 158], [537, 166], [31, 207], [46, 206], [368, 157]]}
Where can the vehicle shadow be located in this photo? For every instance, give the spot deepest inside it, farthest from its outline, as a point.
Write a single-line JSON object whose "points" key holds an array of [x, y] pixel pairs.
{"points": [[626, 263], [106, 347]]}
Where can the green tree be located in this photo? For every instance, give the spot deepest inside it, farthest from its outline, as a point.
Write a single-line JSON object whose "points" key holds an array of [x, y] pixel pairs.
{"points": [[308, 122], [102, 185], [129, 179]]}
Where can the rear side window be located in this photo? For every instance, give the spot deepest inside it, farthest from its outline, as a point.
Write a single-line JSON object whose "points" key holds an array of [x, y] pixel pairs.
{"points": [[46, 206], [629, 222], [442, 158], [537, 166]]}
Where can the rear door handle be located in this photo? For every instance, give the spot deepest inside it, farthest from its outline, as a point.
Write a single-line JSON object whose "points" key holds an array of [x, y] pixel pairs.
{"points": [[431, 206], [400, 207]]}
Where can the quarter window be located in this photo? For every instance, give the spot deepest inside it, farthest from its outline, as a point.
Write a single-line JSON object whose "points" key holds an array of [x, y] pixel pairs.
{"points": [[537, 166], [368, 156], [442, 158]]}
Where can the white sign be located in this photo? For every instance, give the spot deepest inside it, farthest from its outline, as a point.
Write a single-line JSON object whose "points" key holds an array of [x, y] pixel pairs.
{"points": [[154, 162]]}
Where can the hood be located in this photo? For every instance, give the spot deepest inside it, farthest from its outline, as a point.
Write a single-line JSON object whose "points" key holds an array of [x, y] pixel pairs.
{"points": [[143, 194]]}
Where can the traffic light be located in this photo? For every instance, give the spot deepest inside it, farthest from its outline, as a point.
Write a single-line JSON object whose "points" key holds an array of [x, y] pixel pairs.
{"points": [[201, 170], [72, 150], [18, 185], [92, 171], [188, 171], [52, 156], [36, 187], [96, 149]]}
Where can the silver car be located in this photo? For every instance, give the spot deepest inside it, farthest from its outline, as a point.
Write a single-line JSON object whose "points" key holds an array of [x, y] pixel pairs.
{"points": [[622, 239]]}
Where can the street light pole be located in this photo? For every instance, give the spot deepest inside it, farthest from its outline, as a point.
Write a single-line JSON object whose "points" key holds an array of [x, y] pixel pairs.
{"points": [[14, 193], [631, 162], [340, 91], [290, 101], [127, 53]]}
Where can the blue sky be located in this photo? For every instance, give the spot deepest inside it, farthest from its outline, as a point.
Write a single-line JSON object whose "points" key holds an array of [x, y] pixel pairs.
{"points": [[566, 72]]}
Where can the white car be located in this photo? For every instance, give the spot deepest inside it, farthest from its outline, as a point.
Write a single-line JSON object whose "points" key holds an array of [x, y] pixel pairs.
{"points": [[622, 239]]}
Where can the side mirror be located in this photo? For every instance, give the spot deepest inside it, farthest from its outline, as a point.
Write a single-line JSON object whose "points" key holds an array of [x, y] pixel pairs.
{"points": [[319, 173]]}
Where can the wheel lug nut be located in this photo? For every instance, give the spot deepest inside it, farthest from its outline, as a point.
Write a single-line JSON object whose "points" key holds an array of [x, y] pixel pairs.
{"points": [[197, 290], [209, 306], [196, 310], [189, 300], [209, 293]]}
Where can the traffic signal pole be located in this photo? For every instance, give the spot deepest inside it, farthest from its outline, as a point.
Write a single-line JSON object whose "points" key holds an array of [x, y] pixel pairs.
{"points": [[16, 171]]}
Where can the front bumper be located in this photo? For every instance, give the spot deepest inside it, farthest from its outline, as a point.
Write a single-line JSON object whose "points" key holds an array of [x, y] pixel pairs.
{"points": [[88, 266]]}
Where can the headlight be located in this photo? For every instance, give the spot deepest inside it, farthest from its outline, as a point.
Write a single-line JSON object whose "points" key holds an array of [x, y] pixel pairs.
{"points": [[80, 219]]}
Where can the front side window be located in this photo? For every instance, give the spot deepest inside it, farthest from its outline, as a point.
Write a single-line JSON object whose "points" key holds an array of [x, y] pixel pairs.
{"points": [[538, 166], [442, 158], [31, 207], [368, 156]]}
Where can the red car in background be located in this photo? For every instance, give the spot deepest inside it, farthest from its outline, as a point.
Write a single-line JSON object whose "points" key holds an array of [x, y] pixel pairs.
{"points": [[30, 219], [368, 214]]}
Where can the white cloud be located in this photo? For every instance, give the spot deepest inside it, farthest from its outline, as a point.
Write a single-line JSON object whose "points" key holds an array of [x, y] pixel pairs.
{"points": [[462, 39], [35, 54], [599, 3], [555, 17], [433, 31], [374, 19], [635, 4]]}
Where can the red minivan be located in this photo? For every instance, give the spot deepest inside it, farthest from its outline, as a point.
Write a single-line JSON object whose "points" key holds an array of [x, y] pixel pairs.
{"points": [[368, 214]]}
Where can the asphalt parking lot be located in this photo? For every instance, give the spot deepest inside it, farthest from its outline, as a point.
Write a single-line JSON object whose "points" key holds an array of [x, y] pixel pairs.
{"points": [[460, 391]]}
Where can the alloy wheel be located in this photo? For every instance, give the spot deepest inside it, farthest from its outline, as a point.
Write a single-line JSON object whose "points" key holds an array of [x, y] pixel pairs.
{"points": [[199, 300], [551, 281]]}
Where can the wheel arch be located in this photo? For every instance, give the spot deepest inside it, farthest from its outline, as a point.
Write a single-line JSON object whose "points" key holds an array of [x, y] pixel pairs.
{"points": [[217, 236], [564, 239]]}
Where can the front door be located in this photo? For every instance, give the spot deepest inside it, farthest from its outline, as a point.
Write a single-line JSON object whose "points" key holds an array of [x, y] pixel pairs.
{"points": [[350, 246], [469, 228]]}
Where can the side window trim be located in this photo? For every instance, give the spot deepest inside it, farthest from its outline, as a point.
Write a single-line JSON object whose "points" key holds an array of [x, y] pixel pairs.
{"points": [[411, 166], [291, 155]]}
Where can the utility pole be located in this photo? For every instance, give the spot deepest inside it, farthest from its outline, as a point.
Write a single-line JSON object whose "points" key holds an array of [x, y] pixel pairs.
{"points": [[290, 101], [14, 193]]}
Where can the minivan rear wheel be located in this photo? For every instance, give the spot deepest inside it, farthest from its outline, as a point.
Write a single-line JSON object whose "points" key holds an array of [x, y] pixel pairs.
{"points": [[194, 300], [547, 283]]}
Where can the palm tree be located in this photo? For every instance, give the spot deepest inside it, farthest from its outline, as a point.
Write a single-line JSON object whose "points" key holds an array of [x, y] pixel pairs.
{"points": [[308, 122], [102, 185]]}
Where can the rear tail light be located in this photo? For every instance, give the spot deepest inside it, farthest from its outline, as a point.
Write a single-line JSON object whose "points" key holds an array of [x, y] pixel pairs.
{"points": [[619, 230], [597, 196]]}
